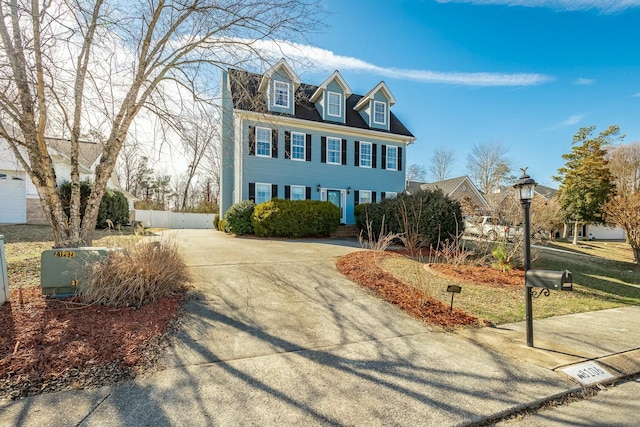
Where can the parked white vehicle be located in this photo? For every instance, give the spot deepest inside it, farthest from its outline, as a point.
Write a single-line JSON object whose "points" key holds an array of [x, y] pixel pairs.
{"points": [[490, 228]]}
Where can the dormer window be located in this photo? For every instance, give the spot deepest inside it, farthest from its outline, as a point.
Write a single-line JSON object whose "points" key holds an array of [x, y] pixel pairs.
{"points": [[281, 94], [334, 104], [379, 113]]}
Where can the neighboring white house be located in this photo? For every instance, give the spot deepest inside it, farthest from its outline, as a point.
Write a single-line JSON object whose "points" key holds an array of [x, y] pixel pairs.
{"points": [[19, 200]]}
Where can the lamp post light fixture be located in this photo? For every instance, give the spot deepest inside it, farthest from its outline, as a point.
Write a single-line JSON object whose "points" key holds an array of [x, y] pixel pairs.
{"points": [[318, 187], [525, 187]]}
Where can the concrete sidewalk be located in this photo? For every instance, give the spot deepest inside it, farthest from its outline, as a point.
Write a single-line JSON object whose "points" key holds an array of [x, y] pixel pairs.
{"points": [[281, 338]]}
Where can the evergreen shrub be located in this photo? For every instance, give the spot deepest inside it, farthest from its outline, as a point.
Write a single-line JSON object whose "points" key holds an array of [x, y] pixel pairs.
{"points": [[238, 218], [295, 218]]}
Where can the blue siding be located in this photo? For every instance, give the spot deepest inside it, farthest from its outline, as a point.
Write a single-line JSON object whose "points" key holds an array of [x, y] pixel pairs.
{"points": [[281, 76], [283, 171]]}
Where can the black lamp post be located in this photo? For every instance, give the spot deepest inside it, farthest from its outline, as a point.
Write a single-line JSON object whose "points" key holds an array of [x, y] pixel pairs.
{"points": [[525, 188]]}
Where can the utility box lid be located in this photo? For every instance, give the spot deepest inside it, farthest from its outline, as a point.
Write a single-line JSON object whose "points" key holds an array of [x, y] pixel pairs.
{"points": [[62, 271]]}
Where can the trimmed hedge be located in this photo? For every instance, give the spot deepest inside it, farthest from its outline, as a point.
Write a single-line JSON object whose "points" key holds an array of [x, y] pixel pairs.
{"points": [[295, 218], [435, 213], [237, 219]]}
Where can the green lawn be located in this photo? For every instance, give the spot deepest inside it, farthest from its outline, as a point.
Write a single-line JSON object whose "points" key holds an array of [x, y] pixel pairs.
{"points": [[600, 282]]}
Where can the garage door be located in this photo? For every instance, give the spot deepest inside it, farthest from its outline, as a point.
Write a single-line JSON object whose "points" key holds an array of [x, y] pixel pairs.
{"points": [[13, 197]]}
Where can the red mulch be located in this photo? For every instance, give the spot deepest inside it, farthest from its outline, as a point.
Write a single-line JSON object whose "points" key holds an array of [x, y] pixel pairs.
{"points": [[362, 268], [49, 345], [480, 275]]}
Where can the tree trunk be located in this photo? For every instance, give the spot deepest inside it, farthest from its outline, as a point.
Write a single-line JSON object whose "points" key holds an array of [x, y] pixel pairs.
{"points": [[565, 230], [636, 254], [576, 227]]}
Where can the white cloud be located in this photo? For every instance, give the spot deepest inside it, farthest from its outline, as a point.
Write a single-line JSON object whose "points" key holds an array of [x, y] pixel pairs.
{"points": [[583, 82], [637, 94], [308, 58], [572, 120], [604, 6]]}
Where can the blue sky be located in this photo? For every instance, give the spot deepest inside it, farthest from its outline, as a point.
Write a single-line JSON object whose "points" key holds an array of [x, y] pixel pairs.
{"points": [[469, 71]]}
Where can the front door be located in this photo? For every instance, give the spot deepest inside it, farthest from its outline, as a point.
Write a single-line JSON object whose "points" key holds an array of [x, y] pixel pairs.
{"points": [[336, 197]]}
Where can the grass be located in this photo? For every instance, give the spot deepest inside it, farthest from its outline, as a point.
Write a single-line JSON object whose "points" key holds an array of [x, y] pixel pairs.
{"points": [[600, 282], [25, 243]]}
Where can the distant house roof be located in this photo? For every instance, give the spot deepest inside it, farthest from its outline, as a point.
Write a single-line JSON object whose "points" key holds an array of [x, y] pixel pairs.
{"points": [[88, 152], [547, 192], [448, 186], [247, 96]]}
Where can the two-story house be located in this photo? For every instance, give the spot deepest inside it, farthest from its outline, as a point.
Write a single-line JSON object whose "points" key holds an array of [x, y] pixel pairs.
{"points": [[286, 139]]}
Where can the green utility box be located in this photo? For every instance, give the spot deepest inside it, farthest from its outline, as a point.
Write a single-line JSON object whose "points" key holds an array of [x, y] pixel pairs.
{"points": [[63, 270], [4, 282]]}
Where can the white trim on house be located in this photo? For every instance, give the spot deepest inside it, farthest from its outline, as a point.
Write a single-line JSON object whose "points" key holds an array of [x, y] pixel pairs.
{"points": [[287, 93], [301, 188], [339, 150], [269, 192], [258, 142], [266, 77], [339, 103], [384, 113], [370, 145], [304, 147], [369, 96], [363, 200], [334, 76], [395, 168]]}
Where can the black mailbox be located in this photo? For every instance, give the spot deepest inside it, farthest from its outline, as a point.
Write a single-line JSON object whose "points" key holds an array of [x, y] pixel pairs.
{"points": [[556, 280]]}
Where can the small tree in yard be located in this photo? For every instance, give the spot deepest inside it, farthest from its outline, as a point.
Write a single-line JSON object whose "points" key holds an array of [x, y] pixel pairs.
{"points": [[586, 183], [624, 211]]}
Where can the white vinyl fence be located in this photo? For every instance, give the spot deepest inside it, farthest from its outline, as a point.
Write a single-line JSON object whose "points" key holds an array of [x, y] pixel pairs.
{"points": [[167, 219]]}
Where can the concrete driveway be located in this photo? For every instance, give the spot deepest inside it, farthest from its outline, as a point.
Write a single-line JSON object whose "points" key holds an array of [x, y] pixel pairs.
{"points": [[281, 338]]}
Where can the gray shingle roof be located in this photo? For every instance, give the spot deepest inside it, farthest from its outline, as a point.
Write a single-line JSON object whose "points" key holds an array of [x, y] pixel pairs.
{"points": [[244, 91]]}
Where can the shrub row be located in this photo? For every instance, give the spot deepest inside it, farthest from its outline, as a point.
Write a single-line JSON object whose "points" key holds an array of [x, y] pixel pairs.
{"points": [[431, 213], [281, 218], [113, 207]]}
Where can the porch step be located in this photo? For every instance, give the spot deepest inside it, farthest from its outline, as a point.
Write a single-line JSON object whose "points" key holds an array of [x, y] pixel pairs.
{"points": [[346, 231]]}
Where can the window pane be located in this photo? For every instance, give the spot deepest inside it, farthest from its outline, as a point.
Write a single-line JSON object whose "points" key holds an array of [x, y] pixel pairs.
{"points": [[335, 104], [365, 196], [297, 146], [333, 150], [365, 154], [298, 192], [281, 94], [263, 193], [379, 112], [263, 142], [392, 158]]}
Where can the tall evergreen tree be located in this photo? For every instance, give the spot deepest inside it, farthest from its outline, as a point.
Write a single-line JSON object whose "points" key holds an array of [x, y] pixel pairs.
{"points": [[586, 183]]}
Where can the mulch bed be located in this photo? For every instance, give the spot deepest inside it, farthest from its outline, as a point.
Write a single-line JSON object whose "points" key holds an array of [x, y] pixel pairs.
{"points": [[362, 268], [478, 275], [49, 345]]}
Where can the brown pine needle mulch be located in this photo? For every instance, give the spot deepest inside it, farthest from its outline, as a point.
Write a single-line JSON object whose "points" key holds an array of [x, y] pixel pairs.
{"points": [[478, 275], [362, 268], [49, 345]]}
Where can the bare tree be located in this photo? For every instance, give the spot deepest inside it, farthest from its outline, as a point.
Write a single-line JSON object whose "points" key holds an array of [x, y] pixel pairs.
{"points": [[624, 164], [197, 134], [441, 163], [78, 65], [416, 172], [488, 166]]}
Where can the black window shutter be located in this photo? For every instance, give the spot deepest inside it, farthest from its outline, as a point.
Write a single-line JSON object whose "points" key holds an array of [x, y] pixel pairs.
{"points": [[374, 158], [308, 148], [383, 164], [308, 193], [356, 198], [287, 144], [373, 197], [274, 143], [383, 195], [356, 160], [399, 158], [252, 140], [274, 191], [287, 192], [323, 149], [344, 151], [252, 191]]}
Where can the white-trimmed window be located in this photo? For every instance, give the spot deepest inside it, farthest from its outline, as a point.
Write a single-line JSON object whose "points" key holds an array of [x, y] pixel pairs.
{"points": [[365, 196], [334, 104], [298, 192], [334, 151], [390, 195], [379, 113], [392, 157], [298, 146], [263, 142], [365, 154], [281, 94], [263, 193]]}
